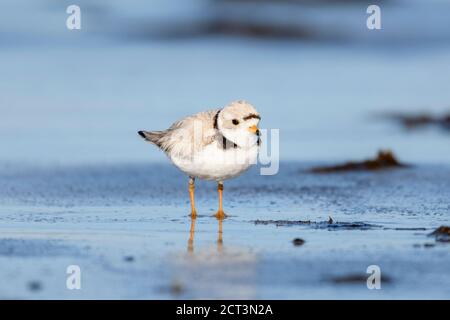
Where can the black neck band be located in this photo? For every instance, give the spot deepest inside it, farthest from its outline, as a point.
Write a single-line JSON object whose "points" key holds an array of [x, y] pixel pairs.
{"points": [[225, 142], [216, 117]]}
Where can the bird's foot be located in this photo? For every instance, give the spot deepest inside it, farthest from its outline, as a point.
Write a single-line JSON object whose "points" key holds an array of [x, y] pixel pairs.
{"points": [[220, 215]]}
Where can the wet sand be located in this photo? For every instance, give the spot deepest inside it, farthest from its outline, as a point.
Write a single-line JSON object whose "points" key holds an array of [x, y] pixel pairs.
{"points": [[127, 227]]}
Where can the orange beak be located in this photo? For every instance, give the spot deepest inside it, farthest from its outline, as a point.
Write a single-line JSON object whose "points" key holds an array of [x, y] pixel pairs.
{"points": [[253, 129]]}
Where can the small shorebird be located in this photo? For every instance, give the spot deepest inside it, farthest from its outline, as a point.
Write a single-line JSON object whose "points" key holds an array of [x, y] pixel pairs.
{"points": [[212, 145]]}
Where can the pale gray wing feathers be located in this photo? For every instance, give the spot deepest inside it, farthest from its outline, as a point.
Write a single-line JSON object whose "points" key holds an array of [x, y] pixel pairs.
{"points": [[151, 136], [185, 137]]}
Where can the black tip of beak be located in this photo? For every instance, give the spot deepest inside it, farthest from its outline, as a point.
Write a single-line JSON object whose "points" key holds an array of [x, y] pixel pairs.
{"points": [[257, 132]]}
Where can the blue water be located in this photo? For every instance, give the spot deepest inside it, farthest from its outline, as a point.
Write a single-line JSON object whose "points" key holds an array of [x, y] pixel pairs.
{"points": [[80, 96], [97, 216]]}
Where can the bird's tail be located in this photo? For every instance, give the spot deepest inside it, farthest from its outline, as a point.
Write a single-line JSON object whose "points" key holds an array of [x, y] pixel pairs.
{"points": [[152, 136]]}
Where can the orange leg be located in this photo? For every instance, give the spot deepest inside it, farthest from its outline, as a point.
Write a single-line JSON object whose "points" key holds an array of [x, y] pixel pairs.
{"points": [[191, 196], [220, 214]]}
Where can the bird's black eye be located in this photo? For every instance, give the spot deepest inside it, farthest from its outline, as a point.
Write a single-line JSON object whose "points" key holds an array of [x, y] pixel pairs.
{"points": [[235, 122]]}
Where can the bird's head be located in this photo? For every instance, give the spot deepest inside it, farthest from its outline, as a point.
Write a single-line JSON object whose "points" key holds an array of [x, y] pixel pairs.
{"points": [[238, 122]]}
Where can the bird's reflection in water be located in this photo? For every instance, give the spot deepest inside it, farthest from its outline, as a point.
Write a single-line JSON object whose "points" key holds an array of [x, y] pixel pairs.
{"points": [[220, 239], [212, 271], [190, 247], [191, 236]]}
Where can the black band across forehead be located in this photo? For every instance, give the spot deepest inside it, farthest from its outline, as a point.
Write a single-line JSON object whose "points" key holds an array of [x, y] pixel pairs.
{"points": [[252, 116]]}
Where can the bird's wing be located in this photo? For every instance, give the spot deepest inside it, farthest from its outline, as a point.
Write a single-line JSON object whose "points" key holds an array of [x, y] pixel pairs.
{"points": [[189, 135]]}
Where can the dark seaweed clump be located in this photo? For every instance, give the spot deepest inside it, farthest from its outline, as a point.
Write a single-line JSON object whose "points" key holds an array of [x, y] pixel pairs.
{"points": [[416, 121], [441, 234], [298, 242], [34, 286], [384, 160], [330, 224], [356, 279]]}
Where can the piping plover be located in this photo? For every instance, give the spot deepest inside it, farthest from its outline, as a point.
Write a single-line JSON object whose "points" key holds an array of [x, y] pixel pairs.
{"points": [[212, 145]]}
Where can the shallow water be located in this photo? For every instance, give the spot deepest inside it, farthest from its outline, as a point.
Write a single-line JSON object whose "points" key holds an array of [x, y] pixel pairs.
{"points": [[127, 227]]}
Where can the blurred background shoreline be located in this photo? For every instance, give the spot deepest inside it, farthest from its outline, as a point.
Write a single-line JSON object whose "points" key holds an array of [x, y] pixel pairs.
{"points": [[312, 69]]}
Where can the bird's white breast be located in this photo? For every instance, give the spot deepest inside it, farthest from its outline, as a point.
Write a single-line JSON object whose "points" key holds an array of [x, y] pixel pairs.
{"points": [[215, 163]]}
